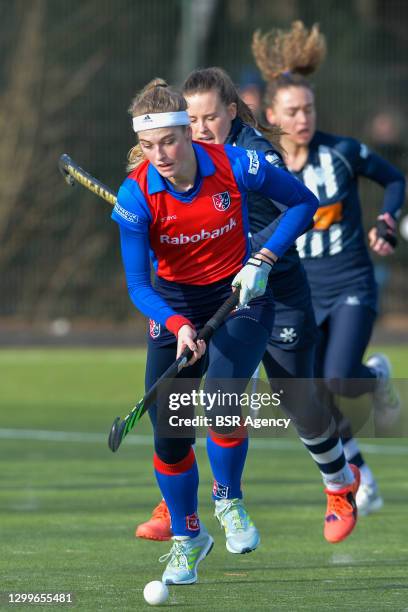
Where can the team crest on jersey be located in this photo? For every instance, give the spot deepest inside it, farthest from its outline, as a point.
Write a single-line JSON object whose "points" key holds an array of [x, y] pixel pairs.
{"points": [[192, 522], [222, 201], [154, 329], [220, 490]]}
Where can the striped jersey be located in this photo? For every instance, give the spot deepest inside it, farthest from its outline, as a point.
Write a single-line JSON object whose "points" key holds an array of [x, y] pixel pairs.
{"points": [[331, 172]]}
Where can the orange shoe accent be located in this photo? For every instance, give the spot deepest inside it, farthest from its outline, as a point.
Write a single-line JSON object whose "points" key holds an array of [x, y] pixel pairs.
{"points": [[158, 527], [341, 512]]}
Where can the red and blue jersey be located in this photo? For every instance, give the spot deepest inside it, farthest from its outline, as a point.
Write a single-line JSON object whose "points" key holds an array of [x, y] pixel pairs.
{"points": [[200, 237], [190, 235]]}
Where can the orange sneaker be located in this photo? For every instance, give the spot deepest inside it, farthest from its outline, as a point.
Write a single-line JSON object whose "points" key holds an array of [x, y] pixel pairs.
{"points": [[341, 512], [158, 527]]}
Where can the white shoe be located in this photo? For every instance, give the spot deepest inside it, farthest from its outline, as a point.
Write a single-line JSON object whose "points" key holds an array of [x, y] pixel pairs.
{"points": [[242, 535], [368, 499], [386, 400], [184, 557]]}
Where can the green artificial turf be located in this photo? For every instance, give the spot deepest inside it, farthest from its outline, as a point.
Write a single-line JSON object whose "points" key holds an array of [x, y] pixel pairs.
{"points": [[68, 506]]}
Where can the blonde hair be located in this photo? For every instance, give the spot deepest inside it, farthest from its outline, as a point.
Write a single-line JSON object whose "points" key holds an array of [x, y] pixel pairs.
{"points": [[214, 78], [284, 58], [155, 97]]}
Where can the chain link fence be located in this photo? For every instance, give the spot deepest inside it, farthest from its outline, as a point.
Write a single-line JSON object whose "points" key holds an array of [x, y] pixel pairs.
{"points": [[68, 71]]}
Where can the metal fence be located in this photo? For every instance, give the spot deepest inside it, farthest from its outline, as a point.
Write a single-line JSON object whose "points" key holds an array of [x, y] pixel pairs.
{"points": [[68, 71]]}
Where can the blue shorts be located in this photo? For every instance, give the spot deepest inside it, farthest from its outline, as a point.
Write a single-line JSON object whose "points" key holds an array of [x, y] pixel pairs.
{"points": [[343, 279], [294, 326], [199, 303]]}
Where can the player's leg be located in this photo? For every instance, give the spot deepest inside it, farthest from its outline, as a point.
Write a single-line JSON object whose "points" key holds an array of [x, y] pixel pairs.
{"points": [[158, 526], [347, 334], [289, 362], [234, 353], [368, 497], [176, 472], [178, 482], [327, 397], [317, 430], [350, 332]]}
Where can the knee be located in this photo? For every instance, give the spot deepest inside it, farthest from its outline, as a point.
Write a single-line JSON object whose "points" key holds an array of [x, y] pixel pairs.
{"points": [[173, 450], [339, 377]]}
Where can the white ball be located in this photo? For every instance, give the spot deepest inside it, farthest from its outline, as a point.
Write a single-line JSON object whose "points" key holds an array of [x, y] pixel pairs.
{"points": [[60, 327], [155, 593], [403, 227]]}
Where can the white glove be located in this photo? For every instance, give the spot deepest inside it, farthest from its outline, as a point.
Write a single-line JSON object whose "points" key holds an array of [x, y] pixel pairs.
{"points": [[252, 280]]}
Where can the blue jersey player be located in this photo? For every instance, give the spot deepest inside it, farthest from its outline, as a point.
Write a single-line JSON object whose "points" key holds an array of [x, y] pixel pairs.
{"points": [[334, 252], [183, 207]]}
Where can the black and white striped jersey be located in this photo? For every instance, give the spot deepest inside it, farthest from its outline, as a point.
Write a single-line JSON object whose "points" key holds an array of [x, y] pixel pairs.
{"points": [[331, 171]]}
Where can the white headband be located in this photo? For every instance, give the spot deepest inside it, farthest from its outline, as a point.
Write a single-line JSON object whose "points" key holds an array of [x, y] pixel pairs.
{"points": [[151, 121]]}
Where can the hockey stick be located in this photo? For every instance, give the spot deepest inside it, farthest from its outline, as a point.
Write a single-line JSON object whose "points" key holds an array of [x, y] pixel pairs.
{"points": [[73, 173], [121, 427]]}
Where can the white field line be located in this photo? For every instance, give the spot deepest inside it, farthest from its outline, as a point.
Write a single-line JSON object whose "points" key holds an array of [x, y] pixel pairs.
{"points": [[145, 440]]}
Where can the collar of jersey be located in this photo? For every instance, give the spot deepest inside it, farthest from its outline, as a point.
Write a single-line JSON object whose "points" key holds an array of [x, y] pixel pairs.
{"points": [[156, 183], [236, 128]]}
